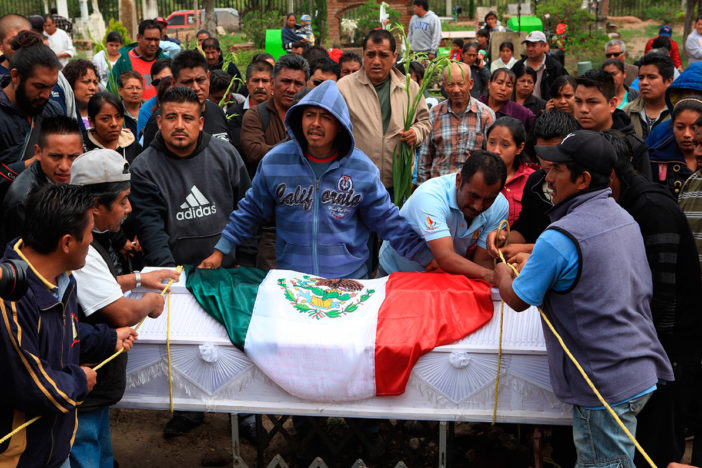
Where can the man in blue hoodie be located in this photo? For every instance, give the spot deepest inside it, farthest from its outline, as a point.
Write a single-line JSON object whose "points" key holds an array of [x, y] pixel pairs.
{"points": [[324, 194]]}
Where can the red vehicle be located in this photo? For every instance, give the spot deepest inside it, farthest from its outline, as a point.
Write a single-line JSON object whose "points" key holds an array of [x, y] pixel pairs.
{"points": [[227, 18]]}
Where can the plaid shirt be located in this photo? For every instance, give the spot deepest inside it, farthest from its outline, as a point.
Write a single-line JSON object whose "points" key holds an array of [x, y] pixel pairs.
{"points": [[690, 201], [452, 138]]}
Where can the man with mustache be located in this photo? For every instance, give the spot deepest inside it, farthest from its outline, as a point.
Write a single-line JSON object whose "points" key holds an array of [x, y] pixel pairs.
{"points": [[377, 102], [24, 104], [263, 127], [259, 83]]}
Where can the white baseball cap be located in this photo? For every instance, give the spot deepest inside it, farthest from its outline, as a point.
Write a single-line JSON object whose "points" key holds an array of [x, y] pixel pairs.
{"points": [[535, 36], [99, 166]]}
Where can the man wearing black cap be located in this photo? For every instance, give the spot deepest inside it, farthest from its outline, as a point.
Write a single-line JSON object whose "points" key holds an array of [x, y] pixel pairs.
{"points": [[590, 274]]}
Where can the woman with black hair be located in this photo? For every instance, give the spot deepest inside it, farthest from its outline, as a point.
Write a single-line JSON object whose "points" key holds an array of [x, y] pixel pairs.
{"points": [[106, 116], [524, 91], [562, 94], [498, 98]]}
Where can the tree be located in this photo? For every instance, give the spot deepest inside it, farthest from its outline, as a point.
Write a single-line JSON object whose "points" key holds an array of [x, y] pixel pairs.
{"points": [[210, 18]]}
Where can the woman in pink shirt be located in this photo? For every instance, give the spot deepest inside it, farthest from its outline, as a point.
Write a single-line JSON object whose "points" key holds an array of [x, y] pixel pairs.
{"points": [[506, 138]]}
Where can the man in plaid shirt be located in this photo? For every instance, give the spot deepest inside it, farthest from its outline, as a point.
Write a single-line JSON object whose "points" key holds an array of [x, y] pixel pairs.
{"points": [[458, 127]]}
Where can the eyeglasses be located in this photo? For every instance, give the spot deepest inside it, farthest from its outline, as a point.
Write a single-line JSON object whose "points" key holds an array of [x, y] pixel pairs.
{"points": [[613, 54]]}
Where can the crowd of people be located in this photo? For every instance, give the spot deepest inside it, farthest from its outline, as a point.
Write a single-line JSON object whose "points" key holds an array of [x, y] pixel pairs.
{"points": [[145, 155]]}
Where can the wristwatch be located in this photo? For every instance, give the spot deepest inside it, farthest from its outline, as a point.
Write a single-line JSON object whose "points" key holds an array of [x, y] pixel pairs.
{"points": [[137, 276]]}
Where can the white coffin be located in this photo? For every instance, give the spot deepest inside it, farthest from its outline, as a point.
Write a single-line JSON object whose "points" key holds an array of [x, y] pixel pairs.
{"points": [[451, 383]]}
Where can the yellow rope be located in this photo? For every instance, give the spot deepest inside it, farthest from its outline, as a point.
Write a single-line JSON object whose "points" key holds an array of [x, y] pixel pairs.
{"points": [[167, 288], [168, 351], [503, 224], [499, 363], [19, 429], [585, 376]]}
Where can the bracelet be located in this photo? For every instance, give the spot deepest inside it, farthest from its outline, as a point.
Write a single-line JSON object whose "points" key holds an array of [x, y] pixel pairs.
{"points": [[137, 276]]}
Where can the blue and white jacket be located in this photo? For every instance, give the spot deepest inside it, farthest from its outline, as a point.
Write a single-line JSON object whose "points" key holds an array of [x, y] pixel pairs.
{"points": [[322, 224]]}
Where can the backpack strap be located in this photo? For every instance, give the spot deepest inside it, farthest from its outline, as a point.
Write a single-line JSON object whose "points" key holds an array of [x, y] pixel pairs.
{"points": [[264, 115]]}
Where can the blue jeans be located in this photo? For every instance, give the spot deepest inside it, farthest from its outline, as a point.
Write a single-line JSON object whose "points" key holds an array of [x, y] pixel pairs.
{"points": [[599, 441], [92, 447]]}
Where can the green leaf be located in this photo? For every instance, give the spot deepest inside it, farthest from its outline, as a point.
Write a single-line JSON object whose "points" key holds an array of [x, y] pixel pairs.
{"points": [[351, 308], [302, 307], [289, 296]]}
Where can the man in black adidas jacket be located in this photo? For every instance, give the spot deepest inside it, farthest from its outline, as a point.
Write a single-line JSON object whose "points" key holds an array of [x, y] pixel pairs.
{"points": [[183, 188], [184, 185]]}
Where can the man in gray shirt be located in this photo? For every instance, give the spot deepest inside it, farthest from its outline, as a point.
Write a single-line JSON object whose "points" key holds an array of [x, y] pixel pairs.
{"points": [[424, 33]]}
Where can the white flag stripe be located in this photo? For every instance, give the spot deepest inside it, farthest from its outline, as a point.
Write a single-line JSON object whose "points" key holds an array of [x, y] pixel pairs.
{"points": [[289, 344]]}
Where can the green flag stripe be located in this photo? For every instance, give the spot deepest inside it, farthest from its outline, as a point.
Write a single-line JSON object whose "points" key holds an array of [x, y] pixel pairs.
{"points": [[228, 295]]}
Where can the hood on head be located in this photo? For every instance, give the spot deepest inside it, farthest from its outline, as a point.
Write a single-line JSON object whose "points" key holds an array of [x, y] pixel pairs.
{"points": [[689, 82], [328, 97]]}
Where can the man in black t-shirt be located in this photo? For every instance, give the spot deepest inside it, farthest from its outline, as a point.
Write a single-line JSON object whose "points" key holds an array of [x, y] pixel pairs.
{"points": [[190, 69]]}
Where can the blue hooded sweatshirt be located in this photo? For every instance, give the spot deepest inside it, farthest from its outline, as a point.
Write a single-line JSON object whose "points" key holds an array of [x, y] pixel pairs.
{"points": [[663, 149], [323, 223]]}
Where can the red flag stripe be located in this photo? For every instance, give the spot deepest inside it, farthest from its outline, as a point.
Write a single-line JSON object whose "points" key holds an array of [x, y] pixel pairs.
{"points": [[419, 313]]}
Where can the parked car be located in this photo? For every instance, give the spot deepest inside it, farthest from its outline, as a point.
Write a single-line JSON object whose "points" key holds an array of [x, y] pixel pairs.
{"points": [[227, 18]]}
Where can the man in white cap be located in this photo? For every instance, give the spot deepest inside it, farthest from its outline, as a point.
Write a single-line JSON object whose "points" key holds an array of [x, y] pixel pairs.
{"points": [[547, 68], [105, 174]]}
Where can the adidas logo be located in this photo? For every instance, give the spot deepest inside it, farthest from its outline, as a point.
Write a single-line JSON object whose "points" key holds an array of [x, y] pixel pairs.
{"points": [[196, 206]]}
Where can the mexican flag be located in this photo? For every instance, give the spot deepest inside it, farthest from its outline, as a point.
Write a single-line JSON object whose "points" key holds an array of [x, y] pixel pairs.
{"points": [[340, 339]]}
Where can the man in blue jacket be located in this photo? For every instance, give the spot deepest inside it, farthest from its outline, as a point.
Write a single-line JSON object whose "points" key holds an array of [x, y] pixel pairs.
{"points": [[42, 343], [324, 194]]}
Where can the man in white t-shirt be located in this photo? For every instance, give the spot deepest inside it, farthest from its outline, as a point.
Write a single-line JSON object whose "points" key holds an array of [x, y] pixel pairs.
{"points": [[105, 173], [59, 41], [455, 213]]}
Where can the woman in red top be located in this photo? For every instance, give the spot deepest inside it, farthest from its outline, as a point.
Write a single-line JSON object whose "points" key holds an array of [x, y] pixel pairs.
{"points": [[506, 138]]}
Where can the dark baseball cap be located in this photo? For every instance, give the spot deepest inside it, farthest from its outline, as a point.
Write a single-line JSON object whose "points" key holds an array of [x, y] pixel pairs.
{"points": [[584, 147], [666, 31]]}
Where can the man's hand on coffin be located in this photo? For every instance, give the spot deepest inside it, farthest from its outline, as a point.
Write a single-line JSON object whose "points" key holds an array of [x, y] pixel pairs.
{"points": [[156, 302], [213, 261], [432, 266], [155, 279], [90, 376], [125, 338]]}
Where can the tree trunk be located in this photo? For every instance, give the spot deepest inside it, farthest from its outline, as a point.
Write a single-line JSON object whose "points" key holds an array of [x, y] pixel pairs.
{"points": [[210, 18]]}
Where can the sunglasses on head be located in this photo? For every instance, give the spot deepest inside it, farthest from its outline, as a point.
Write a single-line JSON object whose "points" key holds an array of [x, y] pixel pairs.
{"points": [[155, 82], [613, 54]]}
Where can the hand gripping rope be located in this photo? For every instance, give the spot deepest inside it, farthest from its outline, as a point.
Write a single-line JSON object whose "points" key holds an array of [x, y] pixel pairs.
{"points": [[167, 289], [502, 225]]}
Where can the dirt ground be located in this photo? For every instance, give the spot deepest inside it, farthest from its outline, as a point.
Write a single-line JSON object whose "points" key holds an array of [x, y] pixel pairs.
{"points": [[138, 442]]}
